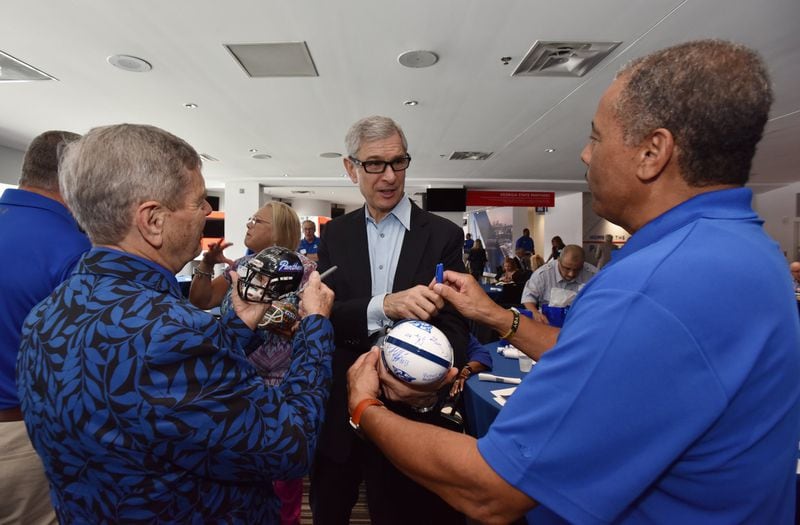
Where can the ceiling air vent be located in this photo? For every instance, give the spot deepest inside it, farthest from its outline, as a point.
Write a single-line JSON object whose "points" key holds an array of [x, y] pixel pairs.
{"points": [[470, 155], [278, 59], [13, 70], [562, 59]]}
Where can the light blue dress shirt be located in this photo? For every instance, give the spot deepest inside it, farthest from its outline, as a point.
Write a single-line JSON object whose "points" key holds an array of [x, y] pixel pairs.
{"points": [[384, 242]]}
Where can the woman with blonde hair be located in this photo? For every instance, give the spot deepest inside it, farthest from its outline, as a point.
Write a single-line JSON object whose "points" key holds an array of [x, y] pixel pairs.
{"points": [[536, 261], [275, 224]]}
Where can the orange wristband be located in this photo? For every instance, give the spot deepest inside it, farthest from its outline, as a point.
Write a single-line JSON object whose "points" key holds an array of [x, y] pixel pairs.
{"points": [[355, 419]]}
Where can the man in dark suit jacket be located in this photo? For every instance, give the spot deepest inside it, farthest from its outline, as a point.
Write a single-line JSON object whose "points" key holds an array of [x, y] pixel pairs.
{"points": [[386, 255]]}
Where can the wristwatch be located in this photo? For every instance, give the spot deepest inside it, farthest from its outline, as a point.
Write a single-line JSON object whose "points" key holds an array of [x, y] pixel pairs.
{"points": [[355, 419]]}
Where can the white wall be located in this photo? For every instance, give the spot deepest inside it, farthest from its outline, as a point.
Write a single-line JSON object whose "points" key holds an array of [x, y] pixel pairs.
{"points": [[565, 219], [778, 208], [10, 165], [242, 199], [311, 207], [456, 217]]}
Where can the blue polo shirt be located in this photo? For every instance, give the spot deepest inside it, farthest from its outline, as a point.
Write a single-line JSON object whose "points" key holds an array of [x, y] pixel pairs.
{"points": [[42, 241], [309, 247], [672, 393], [526, 243]]}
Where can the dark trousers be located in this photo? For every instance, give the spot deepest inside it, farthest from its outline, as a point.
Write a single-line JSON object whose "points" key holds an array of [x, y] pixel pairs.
{"points": [[392, 497], [334, 490]]}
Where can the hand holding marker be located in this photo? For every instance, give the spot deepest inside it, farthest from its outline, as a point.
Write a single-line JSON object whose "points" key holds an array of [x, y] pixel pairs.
{"points": [[322, 276]]}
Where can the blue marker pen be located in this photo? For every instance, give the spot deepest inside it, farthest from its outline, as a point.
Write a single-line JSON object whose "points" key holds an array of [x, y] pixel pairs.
{"points": [[440, 273]]}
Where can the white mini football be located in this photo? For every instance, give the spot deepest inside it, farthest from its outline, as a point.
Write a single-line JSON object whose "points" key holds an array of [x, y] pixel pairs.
{"points": [[417, 352]]}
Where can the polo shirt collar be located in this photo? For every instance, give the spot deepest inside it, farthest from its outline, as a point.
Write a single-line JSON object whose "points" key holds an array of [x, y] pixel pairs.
{"points": [[17, 197], [734, 203]]}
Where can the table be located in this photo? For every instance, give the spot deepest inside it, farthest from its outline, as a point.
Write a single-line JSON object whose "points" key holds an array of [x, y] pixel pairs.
{"points": [[480, 408], [494, 291]]}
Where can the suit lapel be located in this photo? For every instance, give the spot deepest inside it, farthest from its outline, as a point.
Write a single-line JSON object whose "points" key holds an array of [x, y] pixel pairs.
{"points": [[414, 243], [358, 257]]}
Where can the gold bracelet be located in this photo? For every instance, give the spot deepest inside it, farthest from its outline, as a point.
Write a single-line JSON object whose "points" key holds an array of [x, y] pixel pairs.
{"points": [[514, 324]]}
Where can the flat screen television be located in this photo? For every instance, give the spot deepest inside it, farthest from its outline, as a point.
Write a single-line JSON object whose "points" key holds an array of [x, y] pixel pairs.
{"points": [[214, 228], [446, 199]]}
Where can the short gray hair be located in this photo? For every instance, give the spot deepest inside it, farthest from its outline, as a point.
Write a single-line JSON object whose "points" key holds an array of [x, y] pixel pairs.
{"points": [[113, 169], [370, 129], [713, 96], [40, 165]]}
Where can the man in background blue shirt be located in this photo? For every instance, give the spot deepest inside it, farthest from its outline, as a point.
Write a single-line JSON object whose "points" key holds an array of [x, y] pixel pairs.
{"points": [[309, 244], [46, 242]]}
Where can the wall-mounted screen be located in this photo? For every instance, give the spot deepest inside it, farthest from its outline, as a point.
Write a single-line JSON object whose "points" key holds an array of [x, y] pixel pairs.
{"points": [[214, 228], [446, 199]]}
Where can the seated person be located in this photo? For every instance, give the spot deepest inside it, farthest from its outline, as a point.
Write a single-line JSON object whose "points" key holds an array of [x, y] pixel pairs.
{"points": [[569, 272], [512, 272], [537, 261]]}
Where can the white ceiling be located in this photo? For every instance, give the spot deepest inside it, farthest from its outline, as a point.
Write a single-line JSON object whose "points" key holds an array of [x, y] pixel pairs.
{"points": [[468, 101]]}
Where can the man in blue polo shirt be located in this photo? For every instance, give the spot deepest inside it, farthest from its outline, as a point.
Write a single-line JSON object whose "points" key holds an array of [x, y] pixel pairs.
{"points": [[665, 398], [309, 244], [523, 248], [39, 233]]}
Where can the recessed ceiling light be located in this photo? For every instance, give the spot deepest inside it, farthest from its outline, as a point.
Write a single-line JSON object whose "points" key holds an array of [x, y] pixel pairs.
{"points": [[285, 174], [253, 150], [549, 150], [419, 58], [190, 105], [130, 63], [209, 157], [411, 103], [261, 156], [330, 155]]}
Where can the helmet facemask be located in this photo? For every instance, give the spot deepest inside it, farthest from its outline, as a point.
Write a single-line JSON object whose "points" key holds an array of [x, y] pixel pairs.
{"points": [[269, 275]]}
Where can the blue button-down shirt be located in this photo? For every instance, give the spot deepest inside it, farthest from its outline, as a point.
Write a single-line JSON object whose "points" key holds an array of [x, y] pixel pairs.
{"points": [[385, 240]]}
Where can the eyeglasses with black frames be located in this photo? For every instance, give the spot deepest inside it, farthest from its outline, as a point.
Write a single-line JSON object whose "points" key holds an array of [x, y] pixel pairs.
{"points": [[379, 166]]}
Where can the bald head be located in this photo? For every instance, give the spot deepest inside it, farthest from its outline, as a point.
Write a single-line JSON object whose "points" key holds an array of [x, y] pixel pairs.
{"points": [[570, 262], [795, 269], [572, 253]]}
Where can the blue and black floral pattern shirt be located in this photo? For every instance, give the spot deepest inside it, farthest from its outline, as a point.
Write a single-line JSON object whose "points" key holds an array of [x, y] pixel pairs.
{"points": [[145, 409]]}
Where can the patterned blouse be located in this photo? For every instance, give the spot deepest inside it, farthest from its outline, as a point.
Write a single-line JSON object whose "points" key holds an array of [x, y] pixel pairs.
{"points": [[144, 408]]}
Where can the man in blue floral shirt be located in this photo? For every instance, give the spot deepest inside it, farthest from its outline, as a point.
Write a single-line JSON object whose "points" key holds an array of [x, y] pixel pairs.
{"points": [[142, 407]]}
